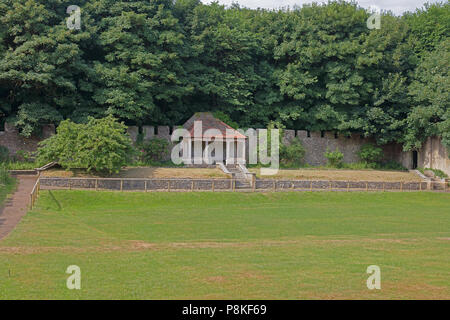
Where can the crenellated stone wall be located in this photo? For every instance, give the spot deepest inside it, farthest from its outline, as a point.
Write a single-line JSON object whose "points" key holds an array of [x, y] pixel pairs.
{"points": [[150, 132], [317, 143], [432, 155], [11, 139]]}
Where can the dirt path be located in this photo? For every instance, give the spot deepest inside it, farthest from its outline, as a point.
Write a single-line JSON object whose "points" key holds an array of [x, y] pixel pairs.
{"points": [[16, 207]]}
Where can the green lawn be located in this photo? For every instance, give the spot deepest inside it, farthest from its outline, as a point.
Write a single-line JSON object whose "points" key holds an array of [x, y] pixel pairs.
{"points": [[6, 187], [230, 246]]}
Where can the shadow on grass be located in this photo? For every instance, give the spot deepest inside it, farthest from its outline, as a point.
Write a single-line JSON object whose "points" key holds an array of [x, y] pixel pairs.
{"points": [[55, 200]]}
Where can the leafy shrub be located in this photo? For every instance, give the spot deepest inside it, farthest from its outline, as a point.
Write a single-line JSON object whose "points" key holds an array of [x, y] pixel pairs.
{"points": [[392, 165], [5, 178], [293, 154], [334, 158], [25, 156], [371, 154], [155, 150], [4, 154], [20, 165], [101, 145], [438, 173], [225, 118]]}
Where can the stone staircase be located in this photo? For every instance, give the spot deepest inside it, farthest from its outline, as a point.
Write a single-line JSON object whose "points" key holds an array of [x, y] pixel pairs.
{"points": [[239, 176]]}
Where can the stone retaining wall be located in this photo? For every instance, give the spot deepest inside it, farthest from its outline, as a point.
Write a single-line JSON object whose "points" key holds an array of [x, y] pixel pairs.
{"points": [[228, 185]]}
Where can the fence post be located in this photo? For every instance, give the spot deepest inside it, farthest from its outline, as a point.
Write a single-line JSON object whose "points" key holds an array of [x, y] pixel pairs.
{"points": [[212, 185], [96, 184], [329, 183], [234, 184], [168, 185], [401, 186], [310, 185], [367, 187], [145, 186], [274, 185], [192, 185], [348, 186], [121, 184], [384, 186]]}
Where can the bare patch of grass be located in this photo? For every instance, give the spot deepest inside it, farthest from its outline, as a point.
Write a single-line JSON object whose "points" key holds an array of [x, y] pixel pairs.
{"points": [[343, 175], [145, 172]]}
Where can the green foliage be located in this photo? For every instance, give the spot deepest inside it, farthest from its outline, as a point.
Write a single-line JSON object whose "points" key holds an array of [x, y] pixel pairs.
{"points": [[4, 154], [438, 173], [371, 154], [392, 165], [226, 119], [292, 155], [5, 178], [334, 158], [101, 145], [155, 150], [157, 62], [430, 89], [429, 26], [20, 165]]}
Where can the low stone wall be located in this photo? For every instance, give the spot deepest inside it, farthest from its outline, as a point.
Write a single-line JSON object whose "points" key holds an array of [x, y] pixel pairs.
{"points": [[147, 185], [137, 184], [276, 185]]}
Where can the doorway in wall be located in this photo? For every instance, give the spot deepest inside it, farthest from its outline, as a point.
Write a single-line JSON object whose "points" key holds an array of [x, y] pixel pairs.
{"points": [[415, 157]]}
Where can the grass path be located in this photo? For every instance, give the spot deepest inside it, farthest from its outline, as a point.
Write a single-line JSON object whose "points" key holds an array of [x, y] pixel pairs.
{"points": [[230, 246]]}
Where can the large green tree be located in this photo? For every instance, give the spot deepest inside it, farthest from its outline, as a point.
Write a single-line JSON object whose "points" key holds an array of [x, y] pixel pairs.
{"points": [[430, 93], [157, 62], [41, 66]]}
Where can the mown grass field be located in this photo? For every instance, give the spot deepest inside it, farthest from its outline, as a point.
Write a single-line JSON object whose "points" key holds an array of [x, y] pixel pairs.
{"points": [[230, 246]]}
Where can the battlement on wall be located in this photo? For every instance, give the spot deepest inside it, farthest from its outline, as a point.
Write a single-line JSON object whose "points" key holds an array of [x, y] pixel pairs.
{"points": [[315, 143], [14, 142], [150, 132]]}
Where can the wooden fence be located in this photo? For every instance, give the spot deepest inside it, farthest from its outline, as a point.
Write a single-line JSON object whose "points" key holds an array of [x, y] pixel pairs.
{"points": [[35, 193]]}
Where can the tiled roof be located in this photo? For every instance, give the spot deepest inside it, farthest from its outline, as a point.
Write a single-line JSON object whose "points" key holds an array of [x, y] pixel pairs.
{"points": [[209, 122]]}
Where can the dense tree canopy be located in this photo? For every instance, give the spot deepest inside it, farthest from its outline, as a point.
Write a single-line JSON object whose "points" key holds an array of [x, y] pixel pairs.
{"points": [[156, 62]]}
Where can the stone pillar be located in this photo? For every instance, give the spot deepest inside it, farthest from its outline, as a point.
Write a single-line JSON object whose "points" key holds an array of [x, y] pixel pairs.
{"points": [[149, 132], [187, 151], [198, 151], [241, 151], [133, 131], [230, 152]]}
